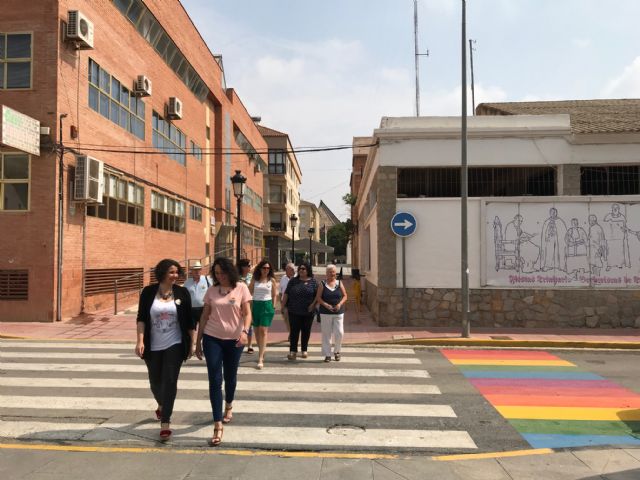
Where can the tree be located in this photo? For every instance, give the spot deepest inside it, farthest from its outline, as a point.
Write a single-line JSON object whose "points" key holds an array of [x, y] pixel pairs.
{"points": [[339, 235], [350, 199]]}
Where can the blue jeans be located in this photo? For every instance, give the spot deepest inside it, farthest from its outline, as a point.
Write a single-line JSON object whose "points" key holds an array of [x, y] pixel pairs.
{"points": [[223, 358]]}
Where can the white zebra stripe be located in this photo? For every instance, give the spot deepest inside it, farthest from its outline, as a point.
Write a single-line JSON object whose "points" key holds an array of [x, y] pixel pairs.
{"points": [[269, 369], [132, 356], [244, 386], [244, 406], [128, 347], [243, 435]]}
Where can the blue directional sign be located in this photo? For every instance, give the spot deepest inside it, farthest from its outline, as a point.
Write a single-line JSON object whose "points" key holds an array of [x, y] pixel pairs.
{"points": [[404, 224]]}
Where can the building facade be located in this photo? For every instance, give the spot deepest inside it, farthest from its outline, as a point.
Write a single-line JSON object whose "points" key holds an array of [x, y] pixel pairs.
{"points": [[552, 226], [134, 86], [282, 191]]}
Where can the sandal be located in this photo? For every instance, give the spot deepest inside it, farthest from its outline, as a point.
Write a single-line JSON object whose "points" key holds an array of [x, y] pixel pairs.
{"points": [[165, 433], [228, 414], [337, 357], [250, 350], [260, 365], [217, 436], [292, 356], [304, 355], [327, 359]]}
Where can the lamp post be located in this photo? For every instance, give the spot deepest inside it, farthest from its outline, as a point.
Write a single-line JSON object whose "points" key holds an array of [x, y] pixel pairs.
{"points": [[238, 181], [293, 220], [311, 231]]}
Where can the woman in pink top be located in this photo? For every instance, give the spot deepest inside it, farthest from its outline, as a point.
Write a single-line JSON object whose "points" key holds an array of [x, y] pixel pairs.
{"points": [[222, 334]]}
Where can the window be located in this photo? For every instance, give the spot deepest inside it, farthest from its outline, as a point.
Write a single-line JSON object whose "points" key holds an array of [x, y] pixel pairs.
{"points": [[276, 195], [276, 162], [151, 30], [614, 180], [257, 237], [247, 236], [123, 201], [195, 213], [482, 182], [196, 151], [169, 139], [14, 284], [15, 60], [275, 222], [114, 101], [167, 213], [14, 182]]}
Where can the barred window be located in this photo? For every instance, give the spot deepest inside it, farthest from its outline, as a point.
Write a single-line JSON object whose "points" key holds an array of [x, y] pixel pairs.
{"points": [[16, 55], [167, 213], [14, 284], [482, 182], [123, 201], [169, 139], [111, 99], [610, 180]]}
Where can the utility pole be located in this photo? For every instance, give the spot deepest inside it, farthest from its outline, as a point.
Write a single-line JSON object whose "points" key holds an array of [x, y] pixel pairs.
{"points": [[473, 87], [60, 222], [464, 251], [417, 55]]}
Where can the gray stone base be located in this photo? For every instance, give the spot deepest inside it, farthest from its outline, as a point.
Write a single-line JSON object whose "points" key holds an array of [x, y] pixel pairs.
{"points": [[431, 307]]}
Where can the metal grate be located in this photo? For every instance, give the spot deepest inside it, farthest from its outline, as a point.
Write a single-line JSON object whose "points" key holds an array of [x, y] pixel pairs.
{"points": [[614, 180], [14, 284], [101, 280], [482, 182]]}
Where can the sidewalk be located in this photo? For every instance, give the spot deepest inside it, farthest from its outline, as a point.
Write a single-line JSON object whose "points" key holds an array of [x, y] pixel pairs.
{"points": [[359, 329]]}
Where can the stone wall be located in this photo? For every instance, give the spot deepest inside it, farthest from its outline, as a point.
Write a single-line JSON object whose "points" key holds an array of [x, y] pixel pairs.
{"points": [[510, 308], [371, 298]]}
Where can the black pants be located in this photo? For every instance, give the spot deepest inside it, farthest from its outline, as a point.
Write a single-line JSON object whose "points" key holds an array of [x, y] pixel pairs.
{"points": [[300, 327], [164, 368]]}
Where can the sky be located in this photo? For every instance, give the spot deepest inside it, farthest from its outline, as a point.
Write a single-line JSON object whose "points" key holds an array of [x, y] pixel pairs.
{"points": [[324, 72]]}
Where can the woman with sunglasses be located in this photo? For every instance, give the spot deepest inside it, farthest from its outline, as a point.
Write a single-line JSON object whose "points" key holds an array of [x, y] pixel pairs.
{"points": [[264, 289], [222, 334], [299, 297]]}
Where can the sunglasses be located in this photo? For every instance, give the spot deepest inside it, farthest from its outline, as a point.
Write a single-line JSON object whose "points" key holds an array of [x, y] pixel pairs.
{"points": [[302, 268], [266, 268]]}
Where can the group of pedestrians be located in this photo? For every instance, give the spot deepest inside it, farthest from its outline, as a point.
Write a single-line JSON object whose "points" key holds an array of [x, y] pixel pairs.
{"points": [[212, 319]]}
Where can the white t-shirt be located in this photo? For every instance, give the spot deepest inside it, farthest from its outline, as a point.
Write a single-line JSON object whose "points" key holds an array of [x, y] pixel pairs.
{"points": [[284, 281], [165, 330], [197, 290], [262, 291]]}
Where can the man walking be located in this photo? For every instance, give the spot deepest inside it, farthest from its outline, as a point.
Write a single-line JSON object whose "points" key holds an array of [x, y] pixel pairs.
{"points": [[197, 285]]}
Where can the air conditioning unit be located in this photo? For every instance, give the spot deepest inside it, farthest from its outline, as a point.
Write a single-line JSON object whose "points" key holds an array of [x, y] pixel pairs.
{"points": [[80, 30], [89, 180], [142, 86], [174, 109]]}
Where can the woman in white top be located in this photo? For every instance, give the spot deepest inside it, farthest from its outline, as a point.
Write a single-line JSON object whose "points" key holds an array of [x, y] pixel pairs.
{"points": [[264, 289], [331, 298]]}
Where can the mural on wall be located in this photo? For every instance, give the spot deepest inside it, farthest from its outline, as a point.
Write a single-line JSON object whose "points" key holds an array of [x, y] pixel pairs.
{"points": [[564, 244]]}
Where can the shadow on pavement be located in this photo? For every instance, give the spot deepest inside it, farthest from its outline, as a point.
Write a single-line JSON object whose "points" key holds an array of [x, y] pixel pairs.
{"points": [[622, 475]]}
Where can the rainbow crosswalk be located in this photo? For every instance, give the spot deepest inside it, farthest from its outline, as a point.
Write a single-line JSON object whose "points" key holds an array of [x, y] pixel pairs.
{"points": [[550, 401]]}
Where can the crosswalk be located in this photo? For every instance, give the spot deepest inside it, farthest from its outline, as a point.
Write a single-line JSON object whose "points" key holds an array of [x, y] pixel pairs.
{"points": [[374, 399]]}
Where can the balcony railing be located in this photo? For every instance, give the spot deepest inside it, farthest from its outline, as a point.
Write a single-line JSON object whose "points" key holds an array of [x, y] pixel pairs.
{"points": [[278, 227]]}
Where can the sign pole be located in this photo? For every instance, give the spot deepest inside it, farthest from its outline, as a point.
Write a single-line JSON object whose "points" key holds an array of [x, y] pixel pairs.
{"points": [[464, 253], [404, 284]]}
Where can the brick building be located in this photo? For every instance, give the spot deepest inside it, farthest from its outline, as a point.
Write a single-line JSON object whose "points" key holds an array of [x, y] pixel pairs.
{"points": [[167, 162]]}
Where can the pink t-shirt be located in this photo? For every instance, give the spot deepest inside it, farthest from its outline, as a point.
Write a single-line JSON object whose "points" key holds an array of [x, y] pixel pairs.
{"points": [[225, 321]]}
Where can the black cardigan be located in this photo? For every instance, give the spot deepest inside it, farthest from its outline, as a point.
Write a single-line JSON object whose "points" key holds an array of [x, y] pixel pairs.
{"points": [[147, 296]]}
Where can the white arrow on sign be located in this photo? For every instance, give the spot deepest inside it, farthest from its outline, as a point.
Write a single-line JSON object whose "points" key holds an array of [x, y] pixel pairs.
{"points": [[404, 224]]}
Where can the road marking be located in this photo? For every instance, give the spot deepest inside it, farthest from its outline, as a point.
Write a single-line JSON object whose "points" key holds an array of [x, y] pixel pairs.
{"points": [[127, 347], [132, 356], [301, 387], [249, 435], [480, 456], [569, 413], [512, 362], [192, 367], [243, 406]]}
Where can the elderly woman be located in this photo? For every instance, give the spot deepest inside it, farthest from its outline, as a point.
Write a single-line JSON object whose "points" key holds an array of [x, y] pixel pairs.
{"points": [[222, 334], [299, 298], [244, 268], [164, 337], [331, 298]]}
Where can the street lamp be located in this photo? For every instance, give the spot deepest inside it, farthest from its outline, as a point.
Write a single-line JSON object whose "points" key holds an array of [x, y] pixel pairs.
{"points": [[311, 231], [238, 181], [293, 220]]}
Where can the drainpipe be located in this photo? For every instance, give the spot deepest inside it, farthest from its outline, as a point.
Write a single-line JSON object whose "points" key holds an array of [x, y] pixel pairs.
{"points": [[60, 222]]}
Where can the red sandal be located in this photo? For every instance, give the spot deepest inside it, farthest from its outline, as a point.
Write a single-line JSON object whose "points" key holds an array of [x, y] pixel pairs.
{"points": [[165, 433]]}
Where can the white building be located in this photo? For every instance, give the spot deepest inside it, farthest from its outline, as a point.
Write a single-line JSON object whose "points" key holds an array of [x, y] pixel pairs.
{"points": [[553, 222]]}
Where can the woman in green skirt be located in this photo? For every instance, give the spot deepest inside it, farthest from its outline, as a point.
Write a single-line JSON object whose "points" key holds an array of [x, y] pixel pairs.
{"points": [[263, 288]]}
